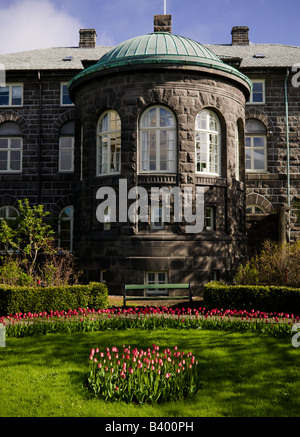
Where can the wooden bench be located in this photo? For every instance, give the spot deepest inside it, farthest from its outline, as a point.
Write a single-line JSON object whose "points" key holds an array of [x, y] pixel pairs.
{"points": [[156, 287]]}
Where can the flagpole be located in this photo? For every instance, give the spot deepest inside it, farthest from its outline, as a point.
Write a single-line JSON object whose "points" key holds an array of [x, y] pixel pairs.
{"points": [[165, 7]]}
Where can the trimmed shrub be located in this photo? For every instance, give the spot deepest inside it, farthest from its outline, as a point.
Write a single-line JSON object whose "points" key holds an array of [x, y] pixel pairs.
{"points": [[243, 297], [38, 299]]}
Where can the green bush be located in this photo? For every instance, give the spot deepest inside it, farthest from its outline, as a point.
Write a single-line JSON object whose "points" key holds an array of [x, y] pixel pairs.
{"points": [[39, 299], [274, 265], [247, 297]]}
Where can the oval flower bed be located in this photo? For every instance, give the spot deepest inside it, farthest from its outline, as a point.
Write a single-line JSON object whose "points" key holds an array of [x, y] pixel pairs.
{"points": [[142, 376]]}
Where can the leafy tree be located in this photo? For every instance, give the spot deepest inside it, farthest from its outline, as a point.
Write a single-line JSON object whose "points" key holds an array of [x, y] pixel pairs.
{"points": [[28, 234]]}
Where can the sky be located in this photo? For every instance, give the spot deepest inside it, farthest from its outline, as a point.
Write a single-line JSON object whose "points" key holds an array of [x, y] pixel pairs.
{"points": [[33, 24]]}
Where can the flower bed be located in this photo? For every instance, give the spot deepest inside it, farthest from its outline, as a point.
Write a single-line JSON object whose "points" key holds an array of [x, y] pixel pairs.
{"points": [[83, 320], [142, 376]]}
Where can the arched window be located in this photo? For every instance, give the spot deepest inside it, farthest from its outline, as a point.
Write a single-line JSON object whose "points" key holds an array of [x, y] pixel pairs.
{"points": [[65, 229], [208, 143], [255, 209], [109, 143], [256, 146], [158, 132], [11, 147], [66, 147], [8, 213]]}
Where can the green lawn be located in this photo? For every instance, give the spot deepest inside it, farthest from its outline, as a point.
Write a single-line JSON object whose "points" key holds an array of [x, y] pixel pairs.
{"points": [[242, 375]]}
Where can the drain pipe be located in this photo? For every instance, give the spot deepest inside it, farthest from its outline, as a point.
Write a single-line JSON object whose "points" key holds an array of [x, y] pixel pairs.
{"points": [[288, 149]]}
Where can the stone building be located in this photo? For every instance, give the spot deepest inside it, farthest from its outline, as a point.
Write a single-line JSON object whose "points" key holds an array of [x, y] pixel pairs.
{"points": [[157, 111]]}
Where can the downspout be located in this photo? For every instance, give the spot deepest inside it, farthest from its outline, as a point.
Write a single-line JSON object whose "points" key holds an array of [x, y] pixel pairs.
{"points": [[40, 141], [287, 150]]}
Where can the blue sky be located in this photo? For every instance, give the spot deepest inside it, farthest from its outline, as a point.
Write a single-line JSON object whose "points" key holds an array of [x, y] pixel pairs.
{"points": [[30, 24]]}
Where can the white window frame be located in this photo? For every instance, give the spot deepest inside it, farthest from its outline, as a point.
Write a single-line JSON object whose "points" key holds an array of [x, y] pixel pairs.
{"points": [[156, 273], [144, 147], [10, 95], [263, 102], [69, 149], [9, 150], [203, 154], [62, 94], [157, 211], [237, 153], [71, 220], [111, 162], [252, 151], [210, 218]]}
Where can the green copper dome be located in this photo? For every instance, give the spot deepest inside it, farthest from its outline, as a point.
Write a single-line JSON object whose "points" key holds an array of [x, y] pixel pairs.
{"points": [[160, 48]]}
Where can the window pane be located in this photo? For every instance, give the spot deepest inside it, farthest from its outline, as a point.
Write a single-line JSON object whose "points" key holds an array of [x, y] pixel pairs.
{"points": [[66, 100], [149, 119], [259, 142], [161, 278], [259, 159], [151, 278], [16, 98], [3, 143], [4, 95], [15, 143]]}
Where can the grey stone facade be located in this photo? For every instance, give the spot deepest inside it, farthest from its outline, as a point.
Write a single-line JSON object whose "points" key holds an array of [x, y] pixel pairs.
{"points": [[126, 252]]}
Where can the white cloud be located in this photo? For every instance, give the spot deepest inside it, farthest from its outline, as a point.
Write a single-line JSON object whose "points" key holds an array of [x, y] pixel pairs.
{"points": [[34, 24]]}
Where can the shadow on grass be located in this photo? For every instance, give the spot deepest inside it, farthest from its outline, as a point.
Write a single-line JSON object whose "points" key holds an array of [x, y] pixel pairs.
{"points": [[241, 374]]}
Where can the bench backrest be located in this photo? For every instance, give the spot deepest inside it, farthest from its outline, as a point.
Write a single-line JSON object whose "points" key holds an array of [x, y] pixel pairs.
{"points": [[155, 286]]}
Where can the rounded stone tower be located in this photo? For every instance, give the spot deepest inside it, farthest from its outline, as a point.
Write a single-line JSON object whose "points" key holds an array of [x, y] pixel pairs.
{"points": [[159, 162]]}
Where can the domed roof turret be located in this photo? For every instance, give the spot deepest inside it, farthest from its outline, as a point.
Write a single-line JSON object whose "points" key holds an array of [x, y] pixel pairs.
{"points": [[160, 48]]}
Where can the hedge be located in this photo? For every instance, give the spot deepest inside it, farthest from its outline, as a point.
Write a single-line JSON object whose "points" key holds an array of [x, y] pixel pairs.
{"points": [[15, 300], [248, 297]]}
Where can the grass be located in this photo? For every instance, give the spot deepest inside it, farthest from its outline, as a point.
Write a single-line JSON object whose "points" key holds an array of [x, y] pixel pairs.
{"points": [[243, 375]]}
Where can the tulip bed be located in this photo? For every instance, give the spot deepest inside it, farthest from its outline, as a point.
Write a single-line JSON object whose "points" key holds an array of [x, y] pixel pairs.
{"points": [[148, 318], [142, 376]]}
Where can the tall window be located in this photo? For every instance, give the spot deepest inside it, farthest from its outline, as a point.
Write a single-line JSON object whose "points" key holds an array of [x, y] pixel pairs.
{"points": [[11, 95], [66, 147], [11, 145], [65, 99], [208, 143], [210, 218], [65, 229], [256, 146], [258, 92], [158, 133], [237, 153], [109, 143]]}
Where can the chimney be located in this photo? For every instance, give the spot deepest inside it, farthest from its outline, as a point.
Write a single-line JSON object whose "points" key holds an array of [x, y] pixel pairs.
{"points": [[87, 38], [163, 23], [240, 36]]}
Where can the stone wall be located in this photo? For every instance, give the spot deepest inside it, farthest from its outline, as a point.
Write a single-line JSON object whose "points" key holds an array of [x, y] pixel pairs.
{"points": [[125, 251], [39, 119], [273, 185]]}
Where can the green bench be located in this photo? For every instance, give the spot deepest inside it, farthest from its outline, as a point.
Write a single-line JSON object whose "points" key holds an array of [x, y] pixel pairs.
{"points": [[157, 287]]}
